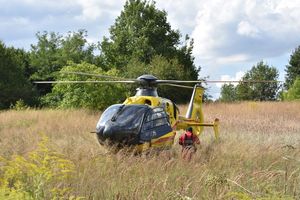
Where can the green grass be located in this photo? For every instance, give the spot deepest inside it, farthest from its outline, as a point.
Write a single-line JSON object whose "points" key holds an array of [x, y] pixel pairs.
{"points": [[258, 156]]}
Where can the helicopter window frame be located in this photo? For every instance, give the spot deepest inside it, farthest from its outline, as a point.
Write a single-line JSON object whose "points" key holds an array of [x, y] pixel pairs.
{"points": [[156, 116], [155, 127], [152, 117]]}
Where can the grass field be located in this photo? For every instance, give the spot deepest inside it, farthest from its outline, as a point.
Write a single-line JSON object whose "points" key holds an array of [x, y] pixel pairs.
{"points": [[258, 157]]}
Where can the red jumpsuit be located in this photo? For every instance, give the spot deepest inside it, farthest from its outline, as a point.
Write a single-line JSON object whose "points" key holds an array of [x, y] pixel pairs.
{"points": [[188, 140]]}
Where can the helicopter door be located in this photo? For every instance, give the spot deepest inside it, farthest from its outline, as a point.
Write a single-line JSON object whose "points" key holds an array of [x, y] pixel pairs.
{"points": [[155, 125]]}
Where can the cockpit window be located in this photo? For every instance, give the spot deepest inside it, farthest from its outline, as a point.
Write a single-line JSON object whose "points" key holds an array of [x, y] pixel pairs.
{"points": [[157, 114], [108, 114], [130, 115], [155, 125], [125, 117]]}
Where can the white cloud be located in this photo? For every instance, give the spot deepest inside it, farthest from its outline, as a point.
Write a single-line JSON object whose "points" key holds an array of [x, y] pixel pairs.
{"points": [[90, 9], [247, 29], [253, 28], [181, 14], [94, 9], [238, 76], [232, 59]]}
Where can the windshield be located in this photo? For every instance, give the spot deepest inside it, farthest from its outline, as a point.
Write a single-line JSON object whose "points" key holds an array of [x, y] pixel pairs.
{"points": [[130, 115], [108, 114]]}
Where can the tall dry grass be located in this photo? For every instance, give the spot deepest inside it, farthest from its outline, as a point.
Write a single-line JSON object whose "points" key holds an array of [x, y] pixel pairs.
{"points": [[258, 155]]}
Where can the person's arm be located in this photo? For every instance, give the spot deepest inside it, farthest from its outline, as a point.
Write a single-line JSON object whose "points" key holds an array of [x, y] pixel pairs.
{"points": [[196, 139], [181, 140]]}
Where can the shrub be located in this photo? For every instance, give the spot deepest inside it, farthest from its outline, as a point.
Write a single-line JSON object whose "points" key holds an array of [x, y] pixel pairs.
{"points": [[44, 174], [294, 92], [20, 105]]}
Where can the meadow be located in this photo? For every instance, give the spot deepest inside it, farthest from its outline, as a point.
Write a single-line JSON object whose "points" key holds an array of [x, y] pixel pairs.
{"points": [[51, 154]]}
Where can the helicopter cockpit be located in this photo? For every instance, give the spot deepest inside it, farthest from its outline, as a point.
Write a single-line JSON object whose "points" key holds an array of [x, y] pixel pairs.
{"points": [[132, 124]]}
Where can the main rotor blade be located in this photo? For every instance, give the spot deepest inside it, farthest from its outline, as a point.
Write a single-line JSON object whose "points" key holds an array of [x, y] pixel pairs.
{"points": [[178, 81], [249, 81], [97, 75], [175, 85], [218, 81], [62, 82]]}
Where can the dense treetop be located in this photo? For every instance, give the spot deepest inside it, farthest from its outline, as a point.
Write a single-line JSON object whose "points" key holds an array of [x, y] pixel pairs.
{"points": [[142, 32], [14, 83], [293, 68]]}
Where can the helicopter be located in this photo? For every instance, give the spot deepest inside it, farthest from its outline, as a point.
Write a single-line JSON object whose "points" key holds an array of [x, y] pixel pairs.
{"points": [[147, 121]]}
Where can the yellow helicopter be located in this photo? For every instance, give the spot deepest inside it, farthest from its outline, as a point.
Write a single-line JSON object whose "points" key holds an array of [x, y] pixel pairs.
{"points": [[146, 121], [149, 121]]}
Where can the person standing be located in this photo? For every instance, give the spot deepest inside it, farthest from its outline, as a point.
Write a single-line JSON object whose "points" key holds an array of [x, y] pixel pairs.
{"points": [[188, 141]]}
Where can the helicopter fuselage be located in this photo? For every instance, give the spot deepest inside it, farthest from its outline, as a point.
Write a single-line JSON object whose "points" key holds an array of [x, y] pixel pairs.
{"points": [[142, 121]]}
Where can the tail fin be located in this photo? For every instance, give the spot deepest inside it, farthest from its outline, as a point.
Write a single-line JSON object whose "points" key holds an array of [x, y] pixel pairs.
{"points": [[194, 116], [194, 111]]}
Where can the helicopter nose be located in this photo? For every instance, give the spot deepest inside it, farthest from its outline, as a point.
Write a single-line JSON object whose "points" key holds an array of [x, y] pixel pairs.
{"points": [[116, 135], [108, 132], [100, 134], [105, 132]]}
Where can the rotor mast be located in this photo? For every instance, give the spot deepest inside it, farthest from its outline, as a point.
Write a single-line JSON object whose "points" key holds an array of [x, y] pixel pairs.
{"points": [[148, 86]]}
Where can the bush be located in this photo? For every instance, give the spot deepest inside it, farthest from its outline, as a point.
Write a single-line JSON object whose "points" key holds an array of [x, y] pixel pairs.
{"points": [[294, 92], [84, 95], [45, 174], [20, 105]]}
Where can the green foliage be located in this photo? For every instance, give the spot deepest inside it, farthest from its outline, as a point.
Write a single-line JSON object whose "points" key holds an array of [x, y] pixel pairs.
{"points": [[293, 68], [13, 82], [258, 91], [74, 47], [294, 92], [20, 105], [43, 175], [228, 93], [140, 34], [53, 51], [87, 95], [141, 31]]}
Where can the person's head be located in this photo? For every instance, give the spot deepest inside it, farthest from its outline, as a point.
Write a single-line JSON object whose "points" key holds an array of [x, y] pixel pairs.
{"points": [[189, 129]]}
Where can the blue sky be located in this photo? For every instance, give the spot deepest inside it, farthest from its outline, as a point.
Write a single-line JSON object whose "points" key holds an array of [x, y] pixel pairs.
{"points": [[230, 36]]}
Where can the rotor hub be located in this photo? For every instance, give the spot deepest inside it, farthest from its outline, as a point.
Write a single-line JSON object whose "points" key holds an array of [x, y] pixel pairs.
{"points": [[147, 81], [147, 86]]}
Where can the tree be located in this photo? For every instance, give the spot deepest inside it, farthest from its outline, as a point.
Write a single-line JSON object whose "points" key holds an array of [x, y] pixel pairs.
{"points": [[75, 48], [293, 69], [53, 51], [258, 91], [228, 93], [84, 95], [294, 92], [13, 82], [142, 32]]}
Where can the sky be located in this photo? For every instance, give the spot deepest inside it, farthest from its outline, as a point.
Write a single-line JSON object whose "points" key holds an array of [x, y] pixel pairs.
{"points": [[229, 36]]}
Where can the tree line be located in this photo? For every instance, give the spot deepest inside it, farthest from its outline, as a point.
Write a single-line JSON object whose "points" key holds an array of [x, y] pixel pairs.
{"points": [[141, 41], [289, 90]]}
